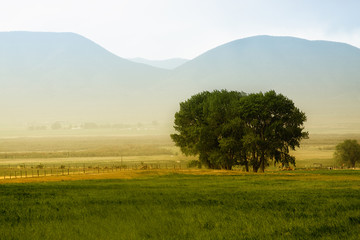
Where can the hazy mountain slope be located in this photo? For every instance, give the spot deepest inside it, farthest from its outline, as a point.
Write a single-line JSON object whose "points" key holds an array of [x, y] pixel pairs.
{"points": [[322, 77], [165, 64], [64, 75], [69, 55], [267, 60]]}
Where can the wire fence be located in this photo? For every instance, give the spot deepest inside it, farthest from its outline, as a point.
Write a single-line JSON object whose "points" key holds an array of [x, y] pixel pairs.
{"points": [[12, 172]]}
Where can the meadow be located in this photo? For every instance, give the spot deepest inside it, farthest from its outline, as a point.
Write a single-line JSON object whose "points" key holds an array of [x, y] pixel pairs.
{"points": [[90, 151], [198, 204], [54, 155], [167, 200]]}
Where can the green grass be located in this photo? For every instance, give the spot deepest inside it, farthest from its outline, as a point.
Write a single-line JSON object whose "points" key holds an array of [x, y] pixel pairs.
{"points": [[296, 205]]}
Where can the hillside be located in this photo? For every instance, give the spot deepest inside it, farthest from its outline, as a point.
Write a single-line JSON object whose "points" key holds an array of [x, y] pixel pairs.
{"points": [[64, 76], [323, 78], [265, 61], [66, 55], [48, 76]]}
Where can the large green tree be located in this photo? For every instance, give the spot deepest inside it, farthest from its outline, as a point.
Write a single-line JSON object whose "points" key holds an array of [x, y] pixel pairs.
{"points": [[274, 127], [204, 125], [231, 128], [348, 153]]}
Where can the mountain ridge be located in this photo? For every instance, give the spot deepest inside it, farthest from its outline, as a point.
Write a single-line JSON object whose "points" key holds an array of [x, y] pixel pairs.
{"points": [[68, 75], [65, 74], [256, 63]]}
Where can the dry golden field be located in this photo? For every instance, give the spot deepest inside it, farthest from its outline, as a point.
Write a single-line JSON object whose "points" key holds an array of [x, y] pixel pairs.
{"points": [[96, 157], [319, 149]]}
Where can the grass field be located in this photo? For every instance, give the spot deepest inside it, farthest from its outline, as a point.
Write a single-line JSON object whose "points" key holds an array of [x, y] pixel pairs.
{"points": [[170, 203], [198, 204], [51, 154], [319, 149], [61, 155], [95, 149]]}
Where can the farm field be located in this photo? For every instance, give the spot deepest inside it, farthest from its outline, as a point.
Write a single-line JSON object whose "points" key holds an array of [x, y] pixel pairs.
{"points": [[65, 155], [90, 152], [59, 155], [186, 204], [95, 187], [318, 150]]}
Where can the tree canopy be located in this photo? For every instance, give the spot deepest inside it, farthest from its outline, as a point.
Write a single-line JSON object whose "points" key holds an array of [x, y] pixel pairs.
{"points": [[348, 153], [228, 128]]}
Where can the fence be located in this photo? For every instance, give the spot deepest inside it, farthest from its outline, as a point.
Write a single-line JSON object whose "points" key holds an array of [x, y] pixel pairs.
{"points": [[10, 172]]}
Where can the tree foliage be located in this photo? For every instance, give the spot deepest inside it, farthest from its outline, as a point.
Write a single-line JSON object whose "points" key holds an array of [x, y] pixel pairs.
{"points": [[231, 128], [348, 153]]}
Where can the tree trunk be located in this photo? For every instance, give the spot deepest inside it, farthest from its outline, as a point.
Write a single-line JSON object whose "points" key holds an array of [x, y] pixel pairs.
{"points": [[262, 162], [353, 164], [256, 166], [255, 162]]}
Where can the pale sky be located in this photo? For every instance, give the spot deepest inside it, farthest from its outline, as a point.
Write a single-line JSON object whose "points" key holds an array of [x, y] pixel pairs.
{"points": [[161, 29]]}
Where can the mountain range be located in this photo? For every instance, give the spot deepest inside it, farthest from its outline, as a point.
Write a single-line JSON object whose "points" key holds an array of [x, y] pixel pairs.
{"points": [[64, 76]]}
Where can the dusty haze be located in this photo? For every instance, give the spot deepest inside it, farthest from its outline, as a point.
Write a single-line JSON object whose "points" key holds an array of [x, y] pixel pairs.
{"points": [[66, 81]]}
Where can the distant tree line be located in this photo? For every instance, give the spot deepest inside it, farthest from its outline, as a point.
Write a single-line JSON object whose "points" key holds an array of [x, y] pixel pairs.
{"points": [[58, 125], [228, 128]]}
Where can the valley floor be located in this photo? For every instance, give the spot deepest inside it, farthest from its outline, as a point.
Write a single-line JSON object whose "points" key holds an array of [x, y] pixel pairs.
{"points": [[184, 204]]}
